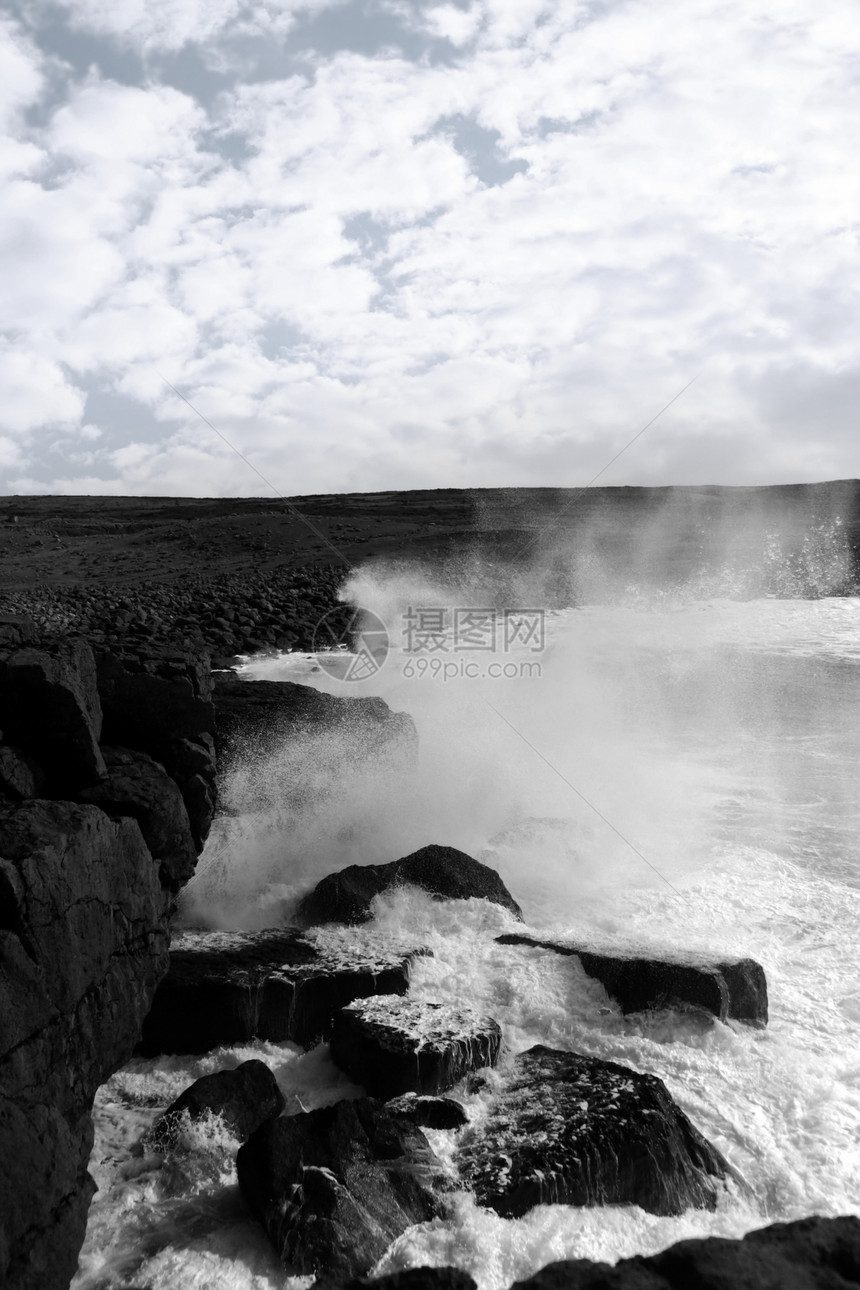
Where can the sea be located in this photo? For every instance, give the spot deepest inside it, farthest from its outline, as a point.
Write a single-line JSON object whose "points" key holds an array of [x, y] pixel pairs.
{"points": [[670, 773]]}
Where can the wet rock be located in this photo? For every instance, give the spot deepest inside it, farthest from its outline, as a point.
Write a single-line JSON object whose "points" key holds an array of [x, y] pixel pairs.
{"points": [[346, 897], [280, 984], [83, 941], [810, 1254], [393, 1045], [735, 989], [574, 1130], [407, 1279], [334, 1187], [49, 707], [139, 787], [429, 1112], [244, 1098]]}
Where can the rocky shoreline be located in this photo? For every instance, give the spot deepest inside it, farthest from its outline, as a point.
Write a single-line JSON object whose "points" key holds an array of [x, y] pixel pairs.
{"points": [[108, 781]]}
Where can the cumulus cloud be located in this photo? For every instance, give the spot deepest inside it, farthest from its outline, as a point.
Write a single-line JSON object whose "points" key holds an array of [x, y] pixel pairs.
{"points": [[487, 259]]}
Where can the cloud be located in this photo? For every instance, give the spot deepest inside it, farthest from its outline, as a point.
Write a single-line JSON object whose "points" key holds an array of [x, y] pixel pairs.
{"points": [[398, 268]]}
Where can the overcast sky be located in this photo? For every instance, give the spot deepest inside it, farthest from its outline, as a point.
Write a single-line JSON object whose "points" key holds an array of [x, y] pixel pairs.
{"points": [[397, 244]]}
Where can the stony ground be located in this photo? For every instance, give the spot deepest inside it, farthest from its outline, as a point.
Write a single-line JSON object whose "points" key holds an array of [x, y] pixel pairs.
{"points": [[246, 574]]}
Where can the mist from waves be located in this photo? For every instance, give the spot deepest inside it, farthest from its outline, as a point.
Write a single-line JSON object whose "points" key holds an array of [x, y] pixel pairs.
{"points": [[719, 737]]}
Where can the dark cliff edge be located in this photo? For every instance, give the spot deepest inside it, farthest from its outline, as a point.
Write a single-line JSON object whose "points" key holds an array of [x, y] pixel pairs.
{"points": [[107, 792]]}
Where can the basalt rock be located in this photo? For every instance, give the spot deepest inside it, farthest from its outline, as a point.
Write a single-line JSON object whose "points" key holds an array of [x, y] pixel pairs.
{"points": [[810, 1254], [429, 1112], [334, 1187], [735, 988], [244, 1098], [139, 787], [445, 872], [394, 1046], [574, 1130], [20, 777], [50, 708], [83, 941], [281, 984]]}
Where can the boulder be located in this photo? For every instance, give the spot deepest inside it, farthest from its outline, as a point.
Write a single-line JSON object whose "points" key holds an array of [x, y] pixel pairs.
{"points": [[429, 1112], [83, 942], [139, 787], [346, 897], [50, 708], [334, 1187], [810, 1254], [393, 1045], [735, 988], [244, 1098], [574, 1130], [281, 984]]}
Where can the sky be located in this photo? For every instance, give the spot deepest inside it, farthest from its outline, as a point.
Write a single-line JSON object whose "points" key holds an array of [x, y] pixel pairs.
{"points": [[407, 244]]}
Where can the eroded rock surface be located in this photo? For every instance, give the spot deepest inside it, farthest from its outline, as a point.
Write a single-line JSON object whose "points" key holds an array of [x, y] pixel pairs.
{"points": [[244, 1098], [334, 1187], [393, 1045], [810, 1254], [346, 897], [84, 906], [224, 987], [574, 1130], [735, 988], [83, 942]]}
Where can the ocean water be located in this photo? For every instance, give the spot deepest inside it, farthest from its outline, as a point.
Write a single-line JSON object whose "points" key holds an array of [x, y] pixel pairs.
{"points": [[679, 775]]}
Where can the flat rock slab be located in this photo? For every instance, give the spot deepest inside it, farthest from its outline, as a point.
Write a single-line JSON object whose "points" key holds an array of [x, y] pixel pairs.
{"points": [[574, 1130], [282, 984], [334, 1187], [445, 872], [393, 1045], [244, 1098], [735, 989], [810, 1254]]}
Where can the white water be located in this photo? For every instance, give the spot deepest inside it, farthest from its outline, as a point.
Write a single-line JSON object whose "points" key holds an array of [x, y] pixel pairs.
{"points": [[722, 739]]}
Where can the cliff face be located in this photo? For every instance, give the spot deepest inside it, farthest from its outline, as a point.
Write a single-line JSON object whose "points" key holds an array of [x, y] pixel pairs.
{"points": [[107, 790]]}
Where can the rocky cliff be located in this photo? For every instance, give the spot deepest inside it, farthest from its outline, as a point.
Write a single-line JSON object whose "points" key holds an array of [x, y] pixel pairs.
{"points": [[107, 791]]}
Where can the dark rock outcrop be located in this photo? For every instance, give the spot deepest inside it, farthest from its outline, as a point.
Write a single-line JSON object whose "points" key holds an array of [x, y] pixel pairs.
{"points": [[346, 897], [574, 1130], [50, 708], [810, 1254], [244, 1098], [137, 786], [161, 703], [224, 987], [83, 942], [393, 1045], [735, 989], [260, 715], [84, 905], [334, 1187], [429, 1112]]}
